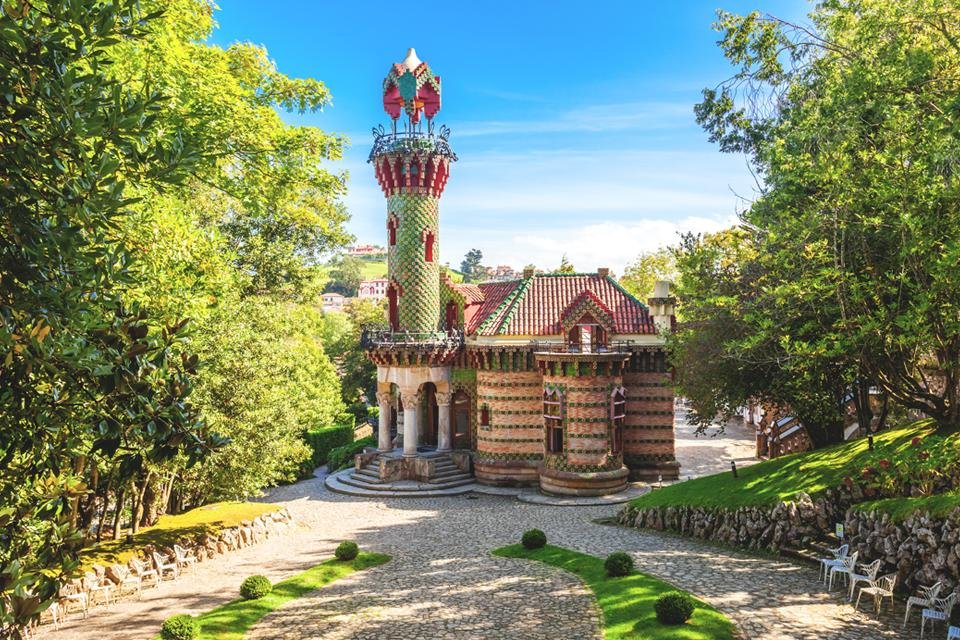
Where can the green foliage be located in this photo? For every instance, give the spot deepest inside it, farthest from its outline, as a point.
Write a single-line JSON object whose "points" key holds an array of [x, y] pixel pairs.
{"points": [[231, 621], [347, 550], [341, 338], [342, 457], [852, 126], [640, 275], [346, 274], [321, 441], [931, 464], [180, 627], [565, 266], [674, 607], [772, 481], [267, 380], [628, 603], [470, 267], [169, 530], [899, 509], [618, 564], [255, 587], [533, 539]]}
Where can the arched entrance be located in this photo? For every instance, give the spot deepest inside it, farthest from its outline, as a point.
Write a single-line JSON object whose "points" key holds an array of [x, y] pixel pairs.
{"points": [[431, 416], [461, 421]]}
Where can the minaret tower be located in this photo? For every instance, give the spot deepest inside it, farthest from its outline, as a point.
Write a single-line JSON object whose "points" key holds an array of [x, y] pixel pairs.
{"points": [[412, 166]]}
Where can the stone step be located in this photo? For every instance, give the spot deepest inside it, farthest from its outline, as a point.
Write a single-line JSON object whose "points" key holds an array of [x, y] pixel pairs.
{"points": [[335, 483], [446, 473], [403, 487], [366, 475], [454, 480]]}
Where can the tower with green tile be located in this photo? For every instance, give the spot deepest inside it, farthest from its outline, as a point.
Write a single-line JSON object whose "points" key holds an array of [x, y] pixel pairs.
{"points": [[412, 164]]}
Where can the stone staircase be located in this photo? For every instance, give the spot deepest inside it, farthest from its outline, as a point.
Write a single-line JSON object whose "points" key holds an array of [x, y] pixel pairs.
{"points": [[446, 476]]}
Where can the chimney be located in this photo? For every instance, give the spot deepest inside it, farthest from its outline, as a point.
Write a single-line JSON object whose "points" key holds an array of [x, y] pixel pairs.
{"points": [[528, 272], [662, 306], [603, 272]]}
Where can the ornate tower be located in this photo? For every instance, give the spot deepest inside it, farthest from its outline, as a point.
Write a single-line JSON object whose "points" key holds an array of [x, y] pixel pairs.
{"points": [[412, 166]]}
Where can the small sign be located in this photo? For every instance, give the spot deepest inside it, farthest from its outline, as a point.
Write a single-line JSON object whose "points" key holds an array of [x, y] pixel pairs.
{"points": [[840, 531]]}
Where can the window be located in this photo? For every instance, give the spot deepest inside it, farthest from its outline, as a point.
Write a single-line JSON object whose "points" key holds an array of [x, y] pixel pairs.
{"points": [[428, 239], [392, 313], [553, 420], [451, 316], [485, 416], [618, 412], [392, 230], [587, 338]]}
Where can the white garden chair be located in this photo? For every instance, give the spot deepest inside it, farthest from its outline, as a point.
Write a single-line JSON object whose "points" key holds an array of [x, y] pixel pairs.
{"points": [[869, 574], [880, 588], [97, 586], [925, 599], [144, 572], [845, 568], [127, 580], [953, 633], [940, 609], [834, 560], [184, 559], [70, 594], [164, 566]]}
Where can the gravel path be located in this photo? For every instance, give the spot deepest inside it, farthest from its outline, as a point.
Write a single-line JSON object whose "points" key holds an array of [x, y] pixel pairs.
{"points": [[442, 582]]}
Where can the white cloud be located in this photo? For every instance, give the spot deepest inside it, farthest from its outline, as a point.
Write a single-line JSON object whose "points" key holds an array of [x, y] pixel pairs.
{"points": [[593, 118]]}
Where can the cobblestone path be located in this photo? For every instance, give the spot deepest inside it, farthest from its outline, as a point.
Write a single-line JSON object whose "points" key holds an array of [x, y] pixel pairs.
{"points": [[442, 582]]}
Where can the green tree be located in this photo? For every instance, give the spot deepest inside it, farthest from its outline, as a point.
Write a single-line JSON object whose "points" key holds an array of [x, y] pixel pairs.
{"points": [[565, 266], [346, 274], [640, 276], [852, 126], [471, 267], [85, 376]]}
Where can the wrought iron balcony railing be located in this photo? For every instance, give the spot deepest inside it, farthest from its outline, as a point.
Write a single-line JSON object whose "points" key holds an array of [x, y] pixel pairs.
{"points": [[619, 346], [411, 141], [376, 337]]}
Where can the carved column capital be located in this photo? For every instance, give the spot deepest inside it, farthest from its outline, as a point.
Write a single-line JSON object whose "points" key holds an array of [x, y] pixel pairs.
{"points": [[384, 397], [443, 399]]}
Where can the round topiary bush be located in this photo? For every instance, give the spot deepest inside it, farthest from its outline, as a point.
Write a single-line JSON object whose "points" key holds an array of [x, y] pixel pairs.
{"points": [[533, 539], [674, 607], [618, 564], [347, 551], [180, 627], [255, 587]]}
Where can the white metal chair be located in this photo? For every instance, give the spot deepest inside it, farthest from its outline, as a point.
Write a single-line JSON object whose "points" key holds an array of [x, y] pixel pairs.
{"points": [[836, 556], [184, 559], [164, 566], [97, 586], [72, 593], [844, 568], [144, 572], [869, 574], [126, 579], [880, 588], [953, 633], [940, 609], [925, 599]]}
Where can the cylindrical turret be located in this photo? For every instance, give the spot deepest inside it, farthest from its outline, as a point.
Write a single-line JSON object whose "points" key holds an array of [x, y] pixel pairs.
{"points": [[412, 167]]}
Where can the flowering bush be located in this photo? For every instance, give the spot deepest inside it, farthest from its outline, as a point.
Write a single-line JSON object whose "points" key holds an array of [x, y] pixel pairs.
{"points": [[927, 466]]}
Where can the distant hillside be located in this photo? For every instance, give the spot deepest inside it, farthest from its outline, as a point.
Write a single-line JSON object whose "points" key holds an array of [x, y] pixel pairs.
{"points": [[378, 269]]}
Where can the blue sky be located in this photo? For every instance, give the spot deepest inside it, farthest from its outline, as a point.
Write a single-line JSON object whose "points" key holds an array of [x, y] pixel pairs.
{"points": [[573, 121]]}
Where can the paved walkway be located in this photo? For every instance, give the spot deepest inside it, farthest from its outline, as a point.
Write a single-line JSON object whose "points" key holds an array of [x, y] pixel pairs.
{"points": [[443, 583]]}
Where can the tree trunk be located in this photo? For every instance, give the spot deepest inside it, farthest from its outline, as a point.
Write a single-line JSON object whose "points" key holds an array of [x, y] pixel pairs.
{"points": [[103, 509], [137, 502], [118, 512]]}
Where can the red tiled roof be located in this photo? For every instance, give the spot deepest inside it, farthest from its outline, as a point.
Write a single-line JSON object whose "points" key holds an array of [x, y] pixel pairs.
{"points": [[535, 306], [471, 292]]}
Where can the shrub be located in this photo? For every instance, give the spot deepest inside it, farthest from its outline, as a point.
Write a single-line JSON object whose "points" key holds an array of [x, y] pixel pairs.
{"points": [[255, 587], [618, 564], [674, 607], [346, 551], [533, 539], [180, 627], [342, 457]]}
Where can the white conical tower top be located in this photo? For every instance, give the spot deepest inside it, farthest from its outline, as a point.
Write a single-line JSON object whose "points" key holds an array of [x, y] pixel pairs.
{"points": [[411, 62]]}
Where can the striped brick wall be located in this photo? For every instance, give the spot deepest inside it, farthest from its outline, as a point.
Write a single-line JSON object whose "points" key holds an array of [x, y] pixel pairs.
{"points": [[648, 433], [516, 410], [586, 419]]}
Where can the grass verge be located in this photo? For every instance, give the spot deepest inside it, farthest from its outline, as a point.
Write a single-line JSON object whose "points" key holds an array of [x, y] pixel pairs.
{"points": [[767, 483], [627, 602], [232, 620], [902, 508], [209, 519]]}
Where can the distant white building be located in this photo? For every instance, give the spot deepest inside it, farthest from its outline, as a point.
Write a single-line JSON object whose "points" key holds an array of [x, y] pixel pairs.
{"points": [[366, 250], [375, 289], [333, 301]]}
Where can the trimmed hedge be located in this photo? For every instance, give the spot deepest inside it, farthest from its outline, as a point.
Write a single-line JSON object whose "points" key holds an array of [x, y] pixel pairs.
{"points": [[324, 440], [533, 539], [674, 607], [346, 550], [618, 564], [255, 587], [342, 457], [180, 627]]}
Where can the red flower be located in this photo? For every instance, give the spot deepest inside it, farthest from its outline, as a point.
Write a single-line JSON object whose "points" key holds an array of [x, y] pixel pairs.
{"points": [[848, 481], [867, 471], [884, 464], [923, 455], [915, 442]]}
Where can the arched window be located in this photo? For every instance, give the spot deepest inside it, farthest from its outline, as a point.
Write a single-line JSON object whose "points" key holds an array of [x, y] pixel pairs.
{"points": [[587, 337], [451, 316], [553, 420], [392, 313], [392, 230], [485, 416], [618, 413], [428, 240]]}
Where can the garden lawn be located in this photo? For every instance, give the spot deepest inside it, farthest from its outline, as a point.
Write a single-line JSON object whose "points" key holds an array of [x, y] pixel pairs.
{"points": [[232, 620], [902, 508], [209, 519], [627, 602], [767, 483]]}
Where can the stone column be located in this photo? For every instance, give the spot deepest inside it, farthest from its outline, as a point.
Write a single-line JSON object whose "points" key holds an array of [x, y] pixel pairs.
{"points": [[411, 400], [383, 439], [444, 433]]}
